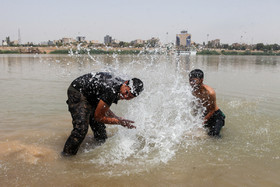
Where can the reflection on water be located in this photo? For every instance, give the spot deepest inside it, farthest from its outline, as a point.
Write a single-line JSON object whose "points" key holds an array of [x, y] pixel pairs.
{"points": [[169, 146]]}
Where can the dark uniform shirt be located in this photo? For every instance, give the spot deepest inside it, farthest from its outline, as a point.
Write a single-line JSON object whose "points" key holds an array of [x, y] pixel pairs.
{"points": [[102, 86]]}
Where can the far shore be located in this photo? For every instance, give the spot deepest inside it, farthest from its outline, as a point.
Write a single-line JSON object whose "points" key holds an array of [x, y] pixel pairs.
{"points": [[57, 50], [125, 50]]}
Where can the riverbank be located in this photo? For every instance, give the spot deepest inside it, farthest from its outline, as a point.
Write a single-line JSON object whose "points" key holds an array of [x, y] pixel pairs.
{"points": [[233, 52], [26, 50], [125, 50], [67, 50]]}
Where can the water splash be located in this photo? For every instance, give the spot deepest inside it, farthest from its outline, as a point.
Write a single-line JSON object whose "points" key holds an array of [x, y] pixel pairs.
{"points": [[163, 116], [162, 112]]}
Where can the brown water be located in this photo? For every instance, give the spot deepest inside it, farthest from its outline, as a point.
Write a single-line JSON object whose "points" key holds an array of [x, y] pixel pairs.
{"points": [[168, 148]]}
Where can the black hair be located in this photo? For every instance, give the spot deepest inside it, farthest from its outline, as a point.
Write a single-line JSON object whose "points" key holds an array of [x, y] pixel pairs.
{"points": [[196, 73], [136, 86]]}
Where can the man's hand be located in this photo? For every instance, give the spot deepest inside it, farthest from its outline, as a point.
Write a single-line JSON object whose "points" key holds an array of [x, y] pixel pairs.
{"points": [[126, 123], [105, 115]]}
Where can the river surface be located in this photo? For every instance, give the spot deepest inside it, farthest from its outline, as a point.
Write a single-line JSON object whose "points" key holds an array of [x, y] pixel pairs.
{"points": [[169, 147]]}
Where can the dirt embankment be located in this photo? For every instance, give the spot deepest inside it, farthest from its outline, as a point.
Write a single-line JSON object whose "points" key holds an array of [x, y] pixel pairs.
{"points": [[48, 49], [40, 50]]}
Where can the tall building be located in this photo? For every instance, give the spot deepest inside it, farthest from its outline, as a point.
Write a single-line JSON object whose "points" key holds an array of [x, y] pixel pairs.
{"points": [[19, 37], [107, 39], [183, 39]]}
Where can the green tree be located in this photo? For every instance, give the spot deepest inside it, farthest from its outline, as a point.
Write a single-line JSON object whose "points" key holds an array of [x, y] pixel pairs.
{"points": [[260, 46], [121, 44], [243, 47], [275, 47], [225, 46]]}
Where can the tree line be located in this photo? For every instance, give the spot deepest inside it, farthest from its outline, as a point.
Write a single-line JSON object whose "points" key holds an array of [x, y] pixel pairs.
{"points": [[236, 46]]}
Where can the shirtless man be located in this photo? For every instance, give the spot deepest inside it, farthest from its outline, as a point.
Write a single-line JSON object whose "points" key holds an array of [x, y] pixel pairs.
{"points": [[214, 118]]}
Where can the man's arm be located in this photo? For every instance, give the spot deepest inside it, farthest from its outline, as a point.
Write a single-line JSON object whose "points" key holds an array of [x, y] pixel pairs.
{"points": [[110, 113], [103, 114]]}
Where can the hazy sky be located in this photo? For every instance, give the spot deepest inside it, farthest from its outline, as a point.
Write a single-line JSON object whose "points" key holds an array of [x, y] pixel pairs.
{"points": [[249, 21]]}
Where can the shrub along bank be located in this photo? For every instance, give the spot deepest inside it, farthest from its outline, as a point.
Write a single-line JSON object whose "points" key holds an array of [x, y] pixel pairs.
{"points": [[223, 52]]}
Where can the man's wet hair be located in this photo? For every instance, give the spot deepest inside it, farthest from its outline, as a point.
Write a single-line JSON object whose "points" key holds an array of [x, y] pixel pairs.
{"points": [[136, 86], [196, 73]]}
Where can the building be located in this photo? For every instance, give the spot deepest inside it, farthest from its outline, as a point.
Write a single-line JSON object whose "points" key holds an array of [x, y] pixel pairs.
{"points": [[6, 42], [43, 43], [56, 42], [115, 41], [69, 40], [50, 42], [15, 42], [214, 43], [94, 42], [81, 38], [183, 39], [107, 39], [138, 41]]}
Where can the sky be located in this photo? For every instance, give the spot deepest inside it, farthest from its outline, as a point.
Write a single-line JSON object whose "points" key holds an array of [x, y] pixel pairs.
{"points": [[231, 21]]}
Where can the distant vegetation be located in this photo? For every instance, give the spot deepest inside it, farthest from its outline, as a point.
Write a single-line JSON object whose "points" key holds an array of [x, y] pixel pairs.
{"points": [[130, 48], [242, 47], [96, 51], [8, 52], [247, 52], [207, 52]]}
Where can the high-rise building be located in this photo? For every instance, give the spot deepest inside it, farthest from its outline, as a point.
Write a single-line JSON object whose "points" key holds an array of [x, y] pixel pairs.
{"points": [[183, 39], [19, 37], [107, 39]]}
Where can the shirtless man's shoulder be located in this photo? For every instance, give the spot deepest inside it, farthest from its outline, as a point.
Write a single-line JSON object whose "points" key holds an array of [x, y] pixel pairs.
{"points": [[209, 90]]}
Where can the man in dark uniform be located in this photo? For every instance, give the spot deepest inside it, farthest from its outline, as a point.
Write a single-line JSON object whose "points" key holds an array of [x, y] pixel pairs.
{"points": [[214, 118], [89, 99]]}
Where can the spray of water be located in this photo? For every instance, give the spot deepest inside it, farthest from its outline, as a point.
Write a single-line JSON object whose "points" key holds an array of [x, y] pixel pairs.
{"points": [[162, 114]]}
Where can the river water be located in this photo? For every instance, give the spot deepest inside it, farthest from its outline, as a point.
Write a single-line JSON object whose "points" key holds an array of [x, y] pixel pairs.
{"points": [[169, 147]]}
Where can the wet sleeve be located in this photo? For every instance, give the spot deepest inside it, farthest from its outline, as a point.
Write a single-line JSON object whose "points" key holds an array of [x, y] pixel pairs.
{"points": [[108, 97]]}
